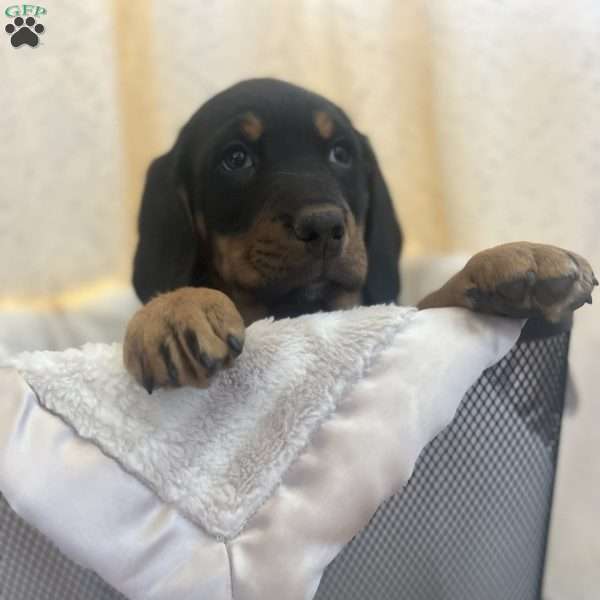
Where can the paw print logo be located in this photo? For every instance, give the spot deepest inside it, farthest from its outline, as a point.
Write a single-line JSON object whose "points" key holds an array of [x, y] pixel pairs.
{"points": [[24, 32]]}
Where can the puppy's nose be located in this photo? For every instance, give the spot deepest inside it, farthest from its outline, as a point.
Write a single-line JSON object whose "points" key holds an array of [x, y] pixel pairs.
{"points": [[322, 230]]}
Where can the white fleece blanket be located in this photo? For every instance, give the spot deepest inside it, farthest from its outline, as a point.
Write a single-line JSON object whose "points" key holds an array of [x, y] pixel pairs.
{"points": [[249, 489]]}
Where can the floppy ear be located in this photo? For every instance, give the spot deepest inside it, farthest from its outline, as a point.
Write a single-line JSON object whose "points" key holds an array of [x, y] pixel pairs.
{"points": [[167, 248], [383, 237]]}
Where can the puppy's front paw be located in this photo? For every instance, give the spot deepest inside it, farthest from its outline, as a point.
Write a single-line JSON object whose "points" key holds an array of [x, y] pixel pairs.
{"points": [[527, 280], [183, 338]]}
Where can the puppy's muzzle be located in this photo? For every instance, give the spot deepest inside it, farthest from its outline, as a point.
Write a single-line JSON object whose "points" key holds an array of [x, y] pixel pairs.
{"points": [[322, 230]]}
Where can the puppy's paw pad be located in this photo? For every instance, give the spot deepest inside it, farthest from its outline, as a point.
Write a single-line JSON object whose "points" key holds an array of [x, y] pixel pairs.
{"points": [[552, 290], [566, 281], [525, 280], [517, 289]]}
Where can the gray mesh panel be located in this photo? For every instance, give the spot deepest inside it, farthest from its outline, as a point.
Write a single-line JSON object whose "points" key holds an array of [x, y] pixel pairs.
{"points": [[31, 568], [472, 522]]}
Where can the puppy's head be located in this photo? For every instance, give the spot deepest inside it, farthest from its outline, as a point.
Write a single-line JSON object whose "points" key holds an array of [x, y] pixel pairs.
{"points": [[270, 195]]}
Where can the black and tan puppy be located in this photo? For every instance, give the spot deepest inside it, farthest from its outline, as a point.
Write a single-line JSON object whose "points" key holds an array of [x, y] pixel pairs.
{"points": [[271, 204]]}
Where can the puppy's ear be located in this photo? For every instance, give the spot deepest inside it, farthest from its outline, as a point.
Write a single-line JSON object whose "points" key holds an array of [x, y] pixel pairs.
{"points": [[167, 247], [383, 236]]}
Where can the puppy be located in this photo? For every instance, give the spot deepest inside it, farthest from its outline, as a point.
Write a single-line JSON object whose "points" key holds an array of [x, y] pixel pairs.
{"points": [[271, 203]]}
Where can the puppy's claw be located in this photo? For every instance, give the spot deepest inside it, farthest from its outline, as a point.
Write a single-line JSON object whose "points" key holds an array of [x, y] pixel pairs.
{"points": [[192, 343], [589, 299], [531, 278], [595, 281], [147, 379], [169, 364], [149, 384], [216, 366], [210, 364], [234, 344]]}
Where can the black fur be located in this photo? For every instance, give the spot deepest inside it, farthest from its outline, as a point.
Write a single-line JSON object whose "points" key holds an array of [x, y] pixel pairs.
{"points": [[383, 238], [292, 169]]}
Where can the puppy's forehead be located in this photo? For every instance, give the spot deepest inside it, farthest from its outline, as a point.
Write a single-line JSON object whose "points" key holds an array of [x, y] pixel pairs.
{"points": [[265, 102], [253, 123], [304, 120], [270, 111]]}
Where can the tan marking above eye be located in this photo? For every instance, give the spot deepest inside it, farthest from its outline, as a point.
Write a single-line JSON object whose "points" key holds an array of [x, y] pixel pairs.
{"points": [[324, 124], [251, 126]]}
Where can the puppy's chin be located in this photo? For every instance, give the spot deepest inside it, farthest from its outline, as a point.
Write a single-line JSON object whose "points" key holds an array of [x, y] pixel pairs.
{"points": [[312, 282], [285, 298], [314, 297], [313, 292]]}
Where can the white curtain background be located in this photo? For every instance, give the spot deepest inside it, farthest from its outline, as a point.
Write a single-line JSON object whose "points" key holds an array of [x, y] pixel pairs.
{"points": [[485, 115]]}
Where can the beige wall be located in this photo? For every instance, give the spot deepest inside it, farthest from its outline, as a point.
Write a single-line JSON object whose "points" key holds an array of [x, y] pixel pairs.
{"points": [[483, 115]]}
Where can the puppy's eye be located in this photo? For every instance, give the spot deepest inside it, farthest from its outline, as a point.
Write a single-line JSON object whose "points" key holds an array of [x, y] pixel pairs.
{"points": [[236, 157], [340, 155]]}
